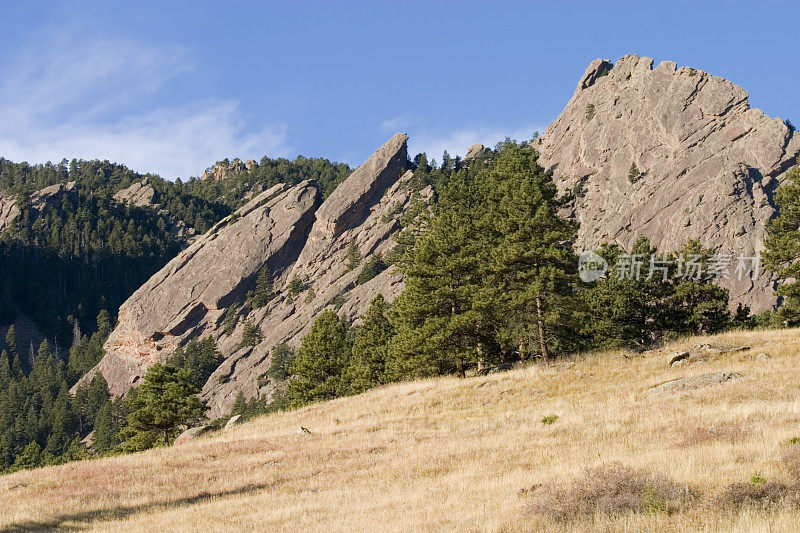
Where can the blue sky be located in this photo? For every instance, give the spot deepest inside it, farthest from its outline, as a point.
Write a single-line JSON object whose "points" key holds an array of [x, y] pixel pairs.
{"points": [[172, 87]]}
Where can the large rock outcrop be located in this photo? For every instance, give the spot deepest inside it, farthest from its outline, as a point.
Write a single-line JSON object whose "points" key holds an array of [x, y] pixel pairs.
{"points": [[670, 154], [187, 297], [295, 237], [141, 194], [39, 200]]}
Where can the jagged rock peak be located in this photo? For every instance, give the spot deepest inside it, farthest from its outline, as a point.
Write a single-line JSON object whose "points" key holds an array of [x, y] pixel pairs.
{"points": [[226, 168], [365, 186], [670, 154]]}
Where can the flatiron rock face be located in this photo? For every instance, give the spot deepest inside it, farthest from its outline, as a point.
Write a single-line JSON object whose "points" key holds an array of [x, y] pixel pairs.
{"points": [[187, 297], [670, 154], [291, 233]]}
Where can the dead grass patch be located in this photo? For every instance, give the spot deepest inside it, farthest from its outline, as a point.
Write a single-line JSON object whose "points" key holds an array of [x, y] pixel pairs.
{"points": [[611, 490], [730, 433]]}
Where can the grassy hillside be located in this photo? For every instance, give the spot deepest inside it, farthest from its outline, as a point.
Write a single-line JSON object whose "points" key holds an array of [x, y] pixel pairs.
{"points": [[458, 454]]}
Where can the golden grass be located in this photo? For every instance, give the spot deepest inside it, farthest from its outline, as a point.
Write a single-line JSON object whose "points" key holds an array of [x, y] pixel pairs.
{"points": [[452, 454]]}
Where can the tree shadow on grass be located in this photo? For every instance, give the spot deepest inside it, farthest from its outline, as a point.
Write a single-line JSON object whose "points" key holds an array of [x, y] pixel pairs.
{"points": [[83, 520]]}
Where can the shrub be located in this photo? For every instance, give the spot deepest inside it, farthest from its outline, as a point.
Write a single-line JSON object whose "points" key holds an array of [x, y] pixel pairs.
{"points": [[612, 490], [634, 174], [372, 268], [296, 286], [762, 495], [589, 111], [549, 420]]}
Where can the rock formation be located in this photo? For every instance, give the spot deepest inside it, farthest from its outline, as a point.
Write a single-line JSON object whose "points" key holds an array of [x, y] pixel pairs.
{"points": [[288, 231], [141, 194], [49, 196], [670, 154], [223, 169]]}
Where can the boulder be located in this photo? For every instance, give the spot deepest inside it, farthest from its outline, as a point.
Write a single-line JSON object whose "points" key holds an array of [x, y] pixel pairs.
{"points": [[192, 433], [694, 382], [706, 164], [235, 420], [140, 194], [475, 151]]}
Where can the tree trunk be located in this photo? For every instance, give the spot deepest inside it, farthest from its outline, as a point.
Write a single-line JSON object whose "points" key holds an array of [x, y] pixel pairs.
{"points": [[540, 323], [481, 363], [522, 350]]}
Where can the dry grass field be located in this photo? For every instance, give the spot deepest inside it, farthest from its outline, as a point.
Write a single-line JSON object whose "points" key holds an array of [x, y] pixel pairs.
{"points": [[473, 454]]}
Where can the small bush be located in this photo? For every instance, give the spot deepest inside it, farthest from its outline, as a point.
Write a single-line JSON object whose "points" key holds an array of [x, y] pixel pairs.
{"points": [[549, 420], [372, 268], [612, 490], [296, 286], [589, 111], [763, 495], [634, 174], [310, 296]]}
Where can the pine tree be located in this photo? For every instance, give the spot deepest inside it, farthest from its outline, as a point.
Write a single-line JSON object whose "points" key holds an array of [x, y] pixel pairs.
{"points": [[165, 401], [280, 365], [533, 267], [374, 266], [317, 368], [439, 327], [264, 290], [353, 256], [782, 254], [251, 336], [239, 405], [108, 423], [367, 366], [11, 343]]}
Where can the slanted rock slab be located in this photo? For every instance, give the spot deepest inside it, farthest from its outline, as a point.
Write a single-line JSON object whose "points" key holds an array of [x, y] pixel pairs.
{"points": [[192, 433], [694, 382]]}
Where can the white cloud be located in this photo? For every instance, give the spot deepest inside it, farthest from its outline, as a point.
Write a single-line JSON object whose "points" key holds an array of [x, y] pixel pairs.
{"points": [[94, 100]]}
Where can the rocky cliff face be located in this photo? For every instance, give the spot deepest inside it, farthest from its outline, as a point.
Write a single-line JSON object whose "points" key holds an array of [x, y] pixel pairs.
{"points": [[290, 232], [49, 196], [141, 194], [670, 154]]}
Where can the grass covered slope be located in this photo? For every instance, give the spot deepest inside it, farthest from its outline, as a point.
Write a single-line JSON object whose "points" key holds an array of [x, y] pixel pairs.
{"points": [[459, 454]]}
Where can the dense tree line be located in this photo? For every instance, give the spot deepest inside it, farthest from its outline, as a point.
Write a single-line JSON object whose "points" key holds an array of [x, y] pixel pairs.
{"points": [[42, 424]]}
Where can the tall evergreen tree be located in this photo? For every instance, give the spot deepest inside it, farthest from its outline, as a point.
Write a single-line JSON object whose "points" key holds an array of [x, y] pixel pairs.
{"points": [[165, 401], [323, 355], [782, 254], [367, 366], [532, 268], [439, 328], [263, 292]]}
